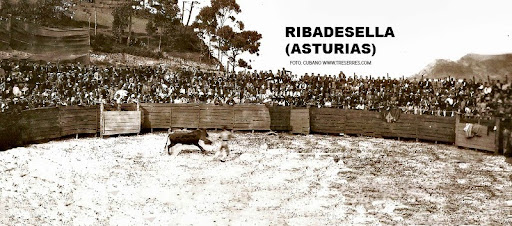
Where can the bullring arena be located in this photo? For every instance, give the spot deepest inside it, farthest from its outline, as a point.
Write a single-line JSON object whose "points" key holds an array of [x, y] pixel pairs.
{"points": [[122, 112], [323, 166]]}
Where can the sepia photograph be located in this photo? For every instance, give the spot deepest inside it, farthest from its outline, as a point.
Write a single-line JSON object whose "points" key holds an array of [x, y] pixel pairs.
{"points": [[255, 112]]}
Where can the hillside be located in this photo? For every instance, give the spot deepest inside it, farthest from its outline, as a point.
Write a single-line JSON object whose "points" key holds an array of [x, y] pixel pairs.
{"points": [[181, 61], [497, 67], [26, 39], [102, 15]]}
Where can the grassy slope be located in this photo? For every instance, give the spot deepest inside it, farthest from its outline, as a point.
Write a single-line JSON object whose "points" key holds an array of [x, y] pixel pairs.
{"points": [[104, 18]]}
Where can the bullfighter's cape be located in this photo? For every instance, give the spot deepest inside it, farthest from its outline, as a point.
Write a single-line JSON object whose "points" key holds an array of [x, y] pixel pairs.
{"points": [[472, 130]]}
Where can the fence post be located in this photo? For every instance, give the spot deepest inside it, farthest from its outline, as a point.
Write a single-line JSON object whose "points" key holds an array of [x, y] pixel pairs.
{"points": [[198, 116], [233, 118], [140, 121], [457, 121], [102, 123], [417, 130], [59, 119], [498, 137], [170, 121]]}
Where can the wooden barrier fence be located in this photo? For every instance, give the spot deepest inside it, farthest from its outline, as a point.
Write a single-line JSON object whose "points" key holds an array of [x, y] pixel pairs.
{"points": [[370, 123], [50, 123], [46, 124], [191, 116]]}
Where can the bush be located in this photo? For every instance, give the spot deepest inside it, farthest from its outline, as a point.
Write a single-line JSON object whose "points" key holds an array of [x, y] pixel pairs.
{"points": [[103, 43], [107, 44]]}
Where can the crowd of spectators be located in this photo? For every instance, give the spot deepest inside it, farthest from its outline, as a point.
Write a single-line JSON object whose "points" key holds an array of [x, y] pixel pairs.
{"points": [[26, 85]]}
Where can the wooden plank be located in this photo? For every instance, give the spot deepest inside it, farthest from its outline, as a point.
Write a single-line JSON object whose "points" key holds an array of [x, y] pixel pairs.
{"points": [[116, 132], [65, 120], [123, 124], [121, 118], [83, 126], [120, 127], [83, 129], [77, 122], [121, 131], [121, 113], [82, 113], [117, 127]]}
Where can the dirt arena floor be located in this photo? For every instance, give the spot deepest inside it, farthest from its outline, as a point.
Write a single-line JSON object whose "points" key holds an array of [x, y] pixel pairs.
{"points": [[268, 180]]}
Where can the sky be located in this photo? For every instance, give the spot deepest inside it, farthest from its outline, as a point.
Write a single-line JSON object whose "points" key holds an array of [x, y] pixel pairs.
{"points": [[424, 31]]}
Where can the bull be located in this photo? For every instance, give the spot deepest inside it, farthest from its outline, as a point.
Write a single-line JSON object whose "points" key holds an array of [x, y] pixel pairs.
{"points": [[188, 138]]}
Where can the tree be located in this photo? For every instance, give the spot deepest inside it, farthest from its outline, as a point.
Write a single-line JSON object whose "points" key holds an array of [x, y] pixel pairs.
{"points": [[243, 64], [6, 7], [214, 18], [224, 10], [123, 17], [24, 9], [130, 21], [150, 30], [236, 43], [207, 22], [50, 12], [190, 11], [165, 19], [44, 12], [120, 23]]}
